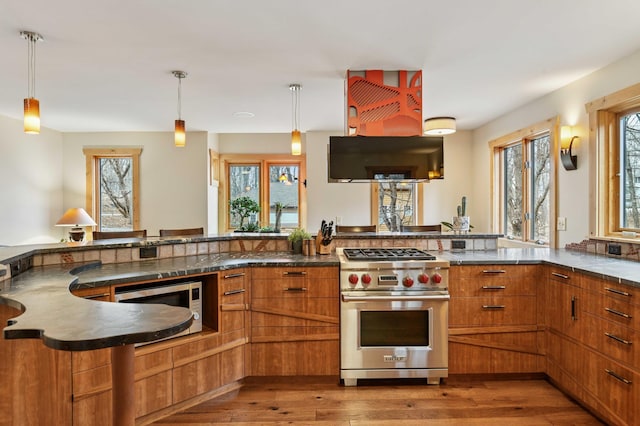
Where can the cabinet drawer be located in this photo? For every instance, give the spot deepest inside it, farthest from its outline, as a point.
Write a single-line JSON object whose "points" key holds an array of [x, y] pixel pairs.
{"points": [[613, 308], [294, 288], [487, 280], [617, 389], [492, 311], [612, 339], [327, 272]]}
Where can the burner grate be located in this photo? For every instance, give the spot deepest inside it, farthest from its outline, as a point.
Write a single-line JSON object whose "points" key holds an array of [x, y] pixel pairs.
{"points": [[387, 254]]}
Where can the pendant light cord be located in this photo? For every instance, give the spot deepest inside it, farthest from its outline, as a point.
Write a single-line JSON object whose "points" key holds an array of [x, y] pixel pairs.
{"points": [[179, 98], [295, 106]]}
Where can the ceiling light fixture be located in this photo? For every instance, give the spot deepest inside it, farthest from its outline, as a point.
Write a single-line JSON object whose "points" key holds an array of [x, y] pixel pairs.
{"points": [[180, 136], [296, 141], [31, 104], [439, 126]]}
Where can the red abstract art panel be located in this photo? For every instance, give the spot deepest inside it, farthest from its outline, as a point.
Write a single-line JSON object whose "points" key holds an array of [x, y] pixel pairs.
{"points": [[384, 103]]}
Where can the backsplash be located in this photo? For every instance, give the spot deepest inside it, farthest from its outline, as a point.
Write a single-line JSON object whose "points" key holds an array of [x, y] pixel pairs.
{"points": [[610, 248]]}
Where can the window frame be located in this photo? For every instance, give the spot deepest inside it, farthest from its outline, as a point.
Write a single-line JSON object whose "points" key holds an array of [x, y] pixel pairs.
{"points": [[418, 197], [604, 157], [92, 156], [264, 161], [496, 149]]}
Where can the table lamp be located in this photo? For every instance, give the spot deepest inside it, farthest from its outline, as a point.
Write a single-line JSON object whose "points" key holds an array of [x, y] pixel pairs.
{"points": [[76, 217]]}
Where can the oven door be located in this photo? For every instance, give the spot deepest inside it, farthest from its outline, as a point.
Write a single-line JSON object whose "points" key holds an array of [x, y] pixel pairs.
{"points": [[394, 330]]}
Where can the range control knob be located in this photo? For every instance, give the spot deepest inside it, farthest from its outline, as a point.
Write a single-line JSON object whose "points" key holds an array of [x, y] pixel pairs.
{"points": [[407, 281], [436, 278], [353, 279], [366, 279], [423, 278]]}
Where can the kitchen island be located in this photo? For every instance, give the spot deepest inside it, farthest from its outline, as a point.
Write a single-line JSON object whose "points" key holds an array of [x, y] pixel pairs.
{"points": [[31, 287]]}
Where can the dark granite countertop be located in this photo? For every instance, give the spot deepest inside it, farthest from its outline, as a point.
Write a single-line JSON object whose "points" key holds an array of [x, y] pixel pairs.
{"points": [[67, 322]]}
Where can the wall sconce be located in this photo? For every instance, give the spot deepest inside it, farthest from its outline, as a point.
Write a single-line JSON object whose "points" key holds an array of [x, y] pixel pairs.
{"points": [[569, 161]]}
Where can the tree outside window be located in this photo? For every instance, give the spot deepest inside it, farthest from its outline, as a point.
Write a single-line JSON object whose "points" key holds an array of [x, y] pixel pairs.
{"points": [[396, 205], [524, 184], [630, 171], [112, 186]]}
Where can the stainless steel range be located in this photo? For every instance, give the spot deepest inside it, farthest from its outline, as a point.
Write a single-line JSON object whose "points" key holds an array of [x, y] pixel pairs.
{"points": [[393, 314]]}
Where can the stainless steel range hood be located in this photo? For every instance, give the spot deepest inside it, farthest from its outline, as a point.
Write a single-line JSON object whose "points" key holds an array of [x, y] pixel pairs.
{"points": [[385, 158]]}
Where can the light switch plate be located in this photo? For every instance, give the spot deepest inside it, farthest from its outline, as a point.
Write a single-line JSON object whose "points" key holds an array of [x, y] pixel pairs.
{"points": [[562, 224]]}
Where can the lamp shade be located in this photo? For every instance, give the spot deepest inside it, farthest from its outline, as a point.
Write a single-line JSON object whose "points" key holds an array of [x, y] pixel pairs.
{"points": [[296, 143], [76, 216], [439, 126], [31, 116]]}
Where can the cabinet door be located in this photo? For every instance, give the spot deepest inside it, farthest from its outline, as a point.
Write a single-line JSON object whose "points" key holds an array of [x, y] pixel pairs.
{"points": [[563, 303]]}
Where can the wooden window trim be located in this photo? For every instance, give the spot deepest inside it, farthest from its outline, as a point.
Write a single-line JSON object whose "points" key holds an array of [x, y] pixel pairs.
{"points": [[604, 183], [550, 126], [91, 183], [264, 161]]}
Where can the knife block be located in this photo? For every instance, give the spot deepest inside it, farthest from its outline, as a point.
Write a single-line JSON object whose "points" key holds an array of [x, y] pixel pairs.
{"points": [[321, 248]]}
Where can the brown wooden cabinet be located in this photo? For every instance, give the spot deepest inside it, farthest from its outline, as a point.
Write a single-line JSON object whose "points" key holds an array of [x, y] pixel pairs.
{"points": [[591, 354], [494, 319], [294, 321]]}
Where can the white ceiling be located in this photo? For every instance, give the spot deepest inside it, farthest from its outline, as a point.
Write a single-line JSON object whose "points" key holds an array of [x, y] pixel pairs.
{"points": [[106, 65]]}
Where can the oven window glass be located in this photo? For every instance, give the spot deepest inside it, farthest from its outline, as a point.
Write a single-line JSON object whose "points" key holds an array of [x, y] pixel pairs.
{"points": [[178, 298], [394, 328]]}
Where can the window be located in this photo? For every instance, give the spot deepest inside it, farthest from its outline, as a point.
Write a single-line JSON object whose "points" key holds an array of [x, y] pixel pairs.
{"points": [[629, 170], [614, 122], [267, 180], [394, 204], [112, 188], [524, 184]]}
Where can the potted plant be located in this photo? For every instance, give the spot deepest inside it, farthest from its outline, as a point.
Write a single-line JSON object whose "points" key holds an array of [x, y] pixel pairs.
{"points": [[296, 236], [244, 207]]}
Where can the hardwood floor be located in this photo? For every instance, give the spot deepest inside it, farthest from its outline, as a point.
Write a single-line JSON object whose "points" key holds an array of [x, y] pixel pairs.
{"points": [[321, 401]]}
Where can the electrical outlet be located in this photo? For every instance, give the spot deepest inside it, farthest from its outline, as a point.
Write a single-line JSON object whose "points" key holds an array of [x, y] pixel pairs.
{"points": [[614, 249], [562, 224]]}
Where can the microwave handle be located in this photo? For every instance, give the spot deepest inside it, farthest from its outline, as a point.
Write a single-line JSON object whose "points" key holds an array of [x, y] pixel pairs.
{"points": [[151, 291]]}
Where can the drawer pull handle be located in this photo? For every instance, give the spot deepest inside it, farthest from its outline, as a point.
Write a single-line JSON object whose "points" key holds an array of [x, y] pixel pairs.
{"points": [[96, 296], [618, 313], [618, 339], [492, 306], [295, 273], [494, 271], [240, 274], [295, 289], [494, 287], [563, 276], [238, 291], [618, 377], [616, 291], [574, 315]]}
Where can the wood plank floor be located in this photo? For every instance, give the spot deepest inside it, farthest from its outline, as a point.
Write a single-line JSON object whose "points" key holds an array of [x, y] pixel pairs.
{"points": [[321, 401]]}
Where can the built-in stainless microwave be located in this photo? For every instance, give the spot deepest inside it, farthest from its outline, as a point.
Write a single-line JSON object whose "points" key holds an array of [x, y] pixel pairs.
{"points": [[184, 294]]}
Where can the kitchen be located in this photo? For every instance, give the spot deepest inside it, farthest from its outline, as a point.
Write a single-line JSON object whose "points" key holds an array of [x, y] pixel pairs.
{"points": [[51, 167]]}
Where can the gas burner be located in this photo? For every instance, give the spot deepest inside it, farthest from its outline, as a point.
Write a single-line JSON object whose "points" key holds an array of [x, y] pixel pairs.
{"points": [[391, 254]]}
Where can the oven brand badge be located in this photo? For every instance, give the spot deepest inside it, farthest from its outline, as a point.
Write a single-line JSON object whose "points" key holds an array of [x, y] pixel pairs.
{"points": [[395, 358]]}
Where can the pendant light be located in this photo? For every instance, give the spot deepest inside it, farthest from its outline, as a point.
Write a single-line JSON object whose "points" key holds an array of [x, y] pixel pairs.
{"points": [[296, 141], [180, 136], [31, 104]]}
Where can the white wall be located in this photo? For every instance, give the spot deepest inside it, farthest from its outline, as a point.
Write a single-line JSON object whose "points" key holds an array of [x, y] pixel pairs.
{"points": [[568, 102], [173, 181], [212, 188], [30, 185]]}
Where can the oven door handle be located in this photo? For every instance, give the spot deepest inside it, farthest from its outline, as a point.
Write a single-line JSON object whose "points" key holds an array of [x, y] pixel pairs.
{"points": [[346, 298]]}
